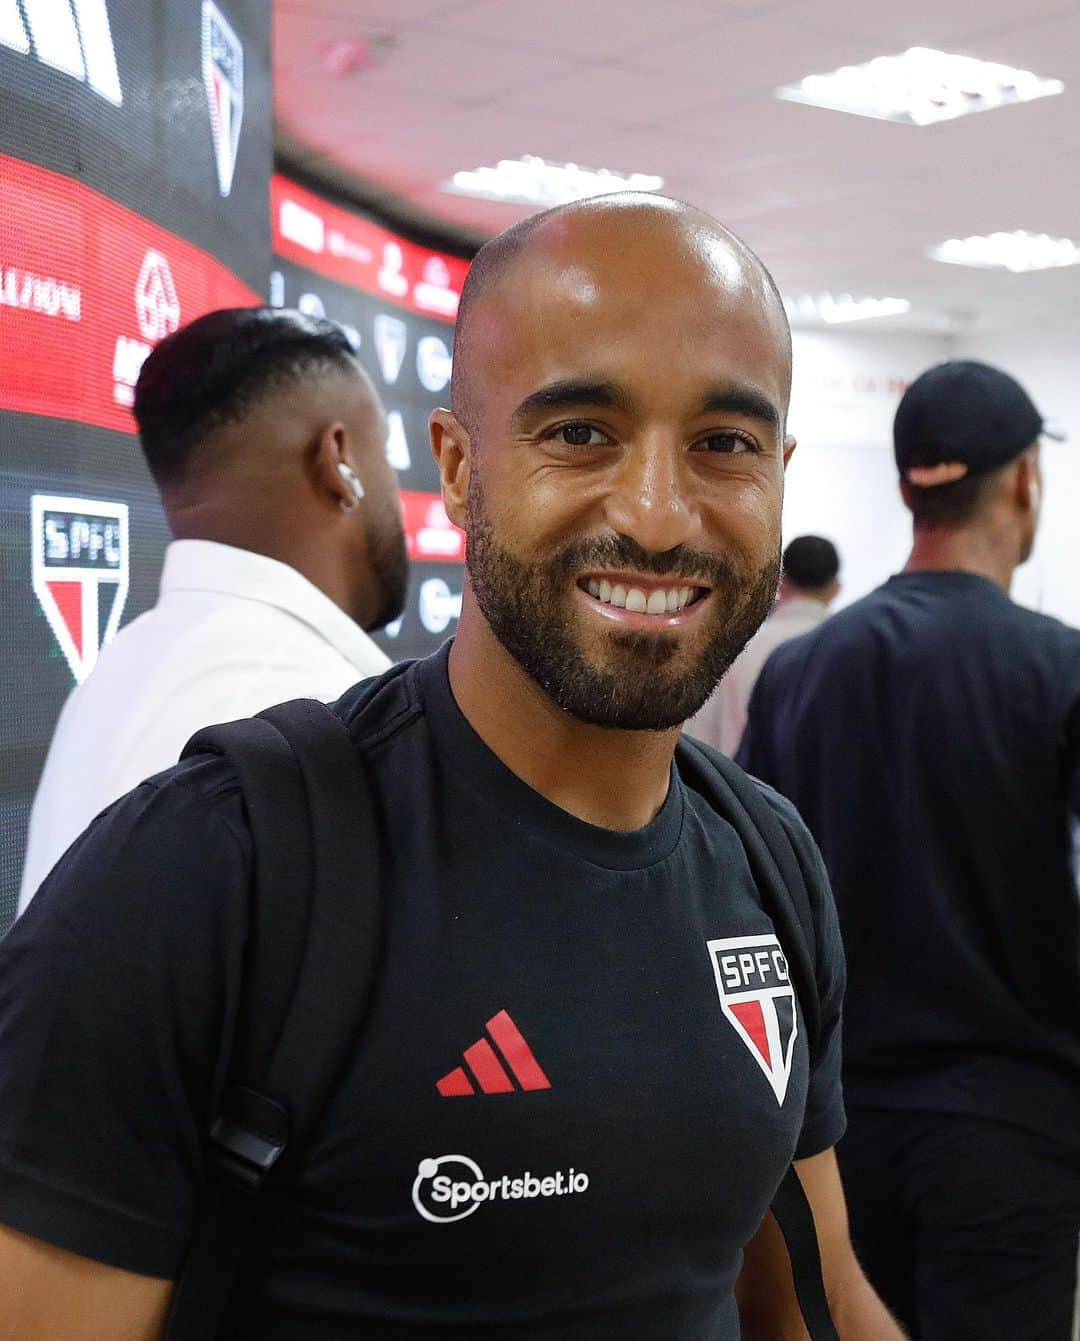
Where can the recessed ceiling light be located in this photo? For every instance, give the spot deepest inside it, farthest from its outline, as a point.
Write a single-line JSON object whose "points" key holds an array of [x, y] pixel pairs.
{"points": [[843, 307], [1017, 251], [920, 86], [536, 181]]}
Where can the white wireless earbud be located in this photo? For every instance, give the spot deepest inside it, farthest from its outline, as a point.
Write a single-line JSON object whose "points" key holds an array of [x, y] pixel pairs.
{"points": [[349, 476]]}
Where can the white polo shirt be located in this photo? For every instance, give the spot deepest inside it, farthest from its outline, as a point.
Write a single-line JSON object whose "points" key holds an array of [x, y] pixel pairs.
{"points": [[722, 721], [232, 633]]}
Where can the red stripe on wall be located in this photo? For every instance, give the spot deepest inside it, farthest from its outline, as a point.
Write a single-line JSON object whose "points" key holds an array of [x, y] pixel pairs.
{"points": [[87, 288], [354, 250]]}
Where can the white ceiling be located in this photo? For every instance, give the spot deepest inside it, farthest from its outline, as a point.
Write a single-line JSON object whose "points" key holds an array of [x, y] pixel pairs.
{"points": [[685, 89]]}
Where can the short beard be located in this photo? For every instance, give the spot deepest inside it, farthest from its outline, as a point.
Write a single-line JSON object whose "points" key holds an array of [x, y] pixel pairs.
{"points": [[526, 608], [389, 562]]}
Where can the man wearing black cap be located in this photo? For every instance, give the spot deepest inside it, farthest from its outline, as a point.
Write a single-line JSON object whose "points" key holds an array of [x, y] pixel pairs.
{"points": [[930, 736]]}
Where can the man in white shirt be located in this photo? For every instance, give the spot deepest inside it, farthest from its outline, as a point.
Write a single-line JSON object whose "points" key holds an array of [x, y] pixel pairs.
{"points": [[809, 586], [266, 440]]}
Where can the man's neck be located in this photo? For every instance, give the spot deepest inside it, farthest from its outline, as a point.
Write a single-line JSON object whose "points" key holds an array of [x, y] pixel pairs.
{"points": [[266, 532], [962, 550], [789, 594], [607, 777]]}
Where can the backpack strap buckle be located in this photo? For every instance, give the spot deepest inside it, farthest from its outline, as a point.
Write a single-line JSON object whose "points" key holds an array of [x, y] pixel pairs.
{"points": [[248, 1138]]}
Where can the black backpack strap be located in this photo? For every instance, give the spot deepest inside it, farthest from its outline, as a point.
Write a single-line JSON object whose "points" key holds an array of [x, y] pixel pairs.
{"points": [[781, 880], [774, 864], [796, 1220], [313, 938]]}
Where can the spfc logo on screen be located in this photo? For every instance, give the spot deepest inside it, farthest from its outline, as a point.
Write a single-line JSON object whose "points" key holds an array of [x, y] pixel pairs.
{"points": [[391, 340], [757, 998], [79, 549], [223, 79]]}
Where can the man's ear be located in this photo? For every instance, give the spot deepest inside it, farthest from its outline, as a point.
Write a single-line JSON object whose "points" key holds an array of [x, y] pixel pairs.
{"points": [[451, 449], [329, 450], [788, 448], [1028, 483]]}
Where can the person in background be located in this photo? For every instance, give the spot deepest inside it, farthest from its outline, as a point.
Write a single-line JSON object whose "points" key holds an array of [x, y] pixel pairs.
{"points": [[930, 736], [266, 440], [809, 586]]}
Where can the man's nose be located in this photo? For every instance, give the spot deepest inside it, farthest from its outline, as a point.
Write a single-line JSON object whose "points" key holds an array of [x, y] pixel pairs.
{"points": [[650, 499]]}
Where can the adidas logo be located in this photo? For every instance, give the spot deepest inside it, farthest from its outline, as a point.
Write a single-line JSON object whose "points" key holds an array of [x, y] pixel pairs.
{"points": [[489, 1072]]}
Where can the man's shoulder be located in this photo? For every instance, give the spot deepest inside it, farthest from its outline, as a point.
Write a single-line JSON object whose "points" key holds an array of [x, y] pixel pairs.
{"points": [[793, 823]]}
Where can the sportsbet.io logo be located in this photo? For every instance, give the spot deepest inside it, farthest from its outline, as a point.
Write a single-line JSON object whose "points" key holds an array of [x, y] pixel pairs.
{"points": [[451, 1187]]}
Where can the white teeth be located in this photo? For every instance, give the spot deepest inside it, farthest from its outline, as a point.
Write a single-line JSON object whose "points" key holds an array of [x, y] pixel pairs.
{"points": [[667, 600]]}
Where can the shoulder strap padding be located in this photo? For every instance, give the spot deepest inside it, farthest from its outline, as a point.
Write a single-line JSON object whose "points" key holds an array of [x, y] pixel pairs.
{"points": [[774, 863]]}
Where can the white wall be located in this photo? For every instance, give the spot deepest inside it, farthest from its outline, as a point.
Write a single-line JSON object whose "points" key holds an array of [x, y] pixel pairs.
{"points": [[842, 480], [1048, 365]]}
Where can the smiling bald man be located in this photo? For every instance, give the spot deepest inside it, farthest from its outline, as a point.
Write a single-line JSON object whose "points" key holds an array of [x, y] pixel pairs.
{"points": [[556, 1123]]}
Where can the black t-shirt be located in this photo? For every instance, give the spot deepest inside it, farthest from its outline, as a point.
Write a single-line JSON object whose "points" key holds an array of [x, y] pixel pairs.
{"points": [[557, 1124], [930, 737]]}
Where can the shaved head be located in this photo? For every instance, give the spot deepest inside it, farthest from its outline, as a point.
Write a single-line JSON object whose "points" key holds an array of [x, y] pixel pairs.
{"points": [[615, 453], [571, 240]]}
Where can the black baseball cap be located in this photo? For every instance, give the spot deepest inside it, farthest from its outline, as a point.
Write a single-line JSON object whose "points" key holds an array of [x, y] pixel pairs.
{"points": [[963, 418]]}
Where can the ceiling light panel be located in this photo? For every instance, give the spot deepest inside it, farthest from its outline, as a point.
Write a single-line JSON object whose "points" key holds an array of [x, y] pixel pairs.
{"points": [[536, 181], [1018, 251], [838, 308], [920, 86]]}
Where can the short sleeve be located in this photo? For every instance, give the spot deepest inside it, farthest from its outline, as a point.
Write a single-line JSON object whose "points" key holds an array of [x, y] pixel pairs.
{"points": [[117, 993], [824, 1120]]}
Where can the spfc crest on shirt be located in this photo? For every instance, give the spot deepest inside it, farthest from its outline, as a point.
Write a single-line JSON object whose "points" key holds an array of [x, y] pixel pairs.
{"points": [[79, 563], [758, 1000], [223, 79]]}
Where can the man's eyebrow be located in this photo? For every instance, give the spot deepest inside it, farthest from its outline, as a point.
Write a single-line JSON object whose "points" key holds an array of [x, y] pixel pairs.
{"points": [[572, 393], [742, 400]]}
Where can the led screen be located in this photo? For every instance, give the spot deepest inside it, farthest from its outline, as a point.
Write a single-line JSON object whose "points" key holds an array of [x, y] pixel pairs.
{"points": [[136, 192], [135, 159], [397, 302]]}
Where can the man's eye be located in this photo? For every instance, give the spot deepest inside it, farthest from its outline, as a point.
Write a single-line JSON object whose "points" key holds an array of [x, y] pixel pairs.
{"points": [[580, 435], [728, 443]]}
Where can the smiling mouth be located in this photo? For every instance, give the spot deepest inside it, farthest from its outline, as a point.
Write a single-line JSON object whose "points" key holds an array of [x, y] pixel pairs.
{"points": [[668, 600]]}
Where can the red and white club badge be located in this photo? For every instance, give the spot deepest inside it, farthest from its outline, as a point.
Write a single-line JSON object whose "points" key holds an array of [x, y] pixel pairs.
{"points": [[758, 999], [79, 565]]}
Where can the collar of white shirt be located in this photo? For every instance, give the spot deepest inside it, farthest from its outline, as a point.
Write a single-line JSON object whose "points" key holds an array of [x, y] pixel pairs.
{"points": [[205, 565], [804, 609]]}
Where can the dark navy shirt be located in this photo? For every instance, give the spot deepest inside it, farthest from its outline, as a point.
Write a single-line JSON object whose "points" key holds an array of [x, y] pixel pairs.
{"points": [[582, 1077], [930, 737]]}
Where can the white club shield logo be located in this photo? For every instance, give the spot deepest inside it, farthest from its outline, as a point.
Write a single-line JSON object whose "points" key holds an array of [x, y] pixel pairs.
{"points": [[438, 605], [391, 341], [433, 363], [157, 306], [397, 444], [758, 1000], [223, 79], [79, 559]]}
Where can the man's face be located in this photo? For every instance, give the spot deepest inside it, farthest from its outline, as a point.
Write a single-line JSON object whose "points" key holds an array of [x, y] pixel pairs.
{"points": [[627, 454]]}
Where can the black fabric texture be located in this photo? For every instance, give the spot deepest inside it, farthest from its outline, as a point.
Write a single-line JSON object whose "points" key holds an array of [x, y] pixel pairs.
{"points": [[930, 737], [956, 1250], [616, 1195]]}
